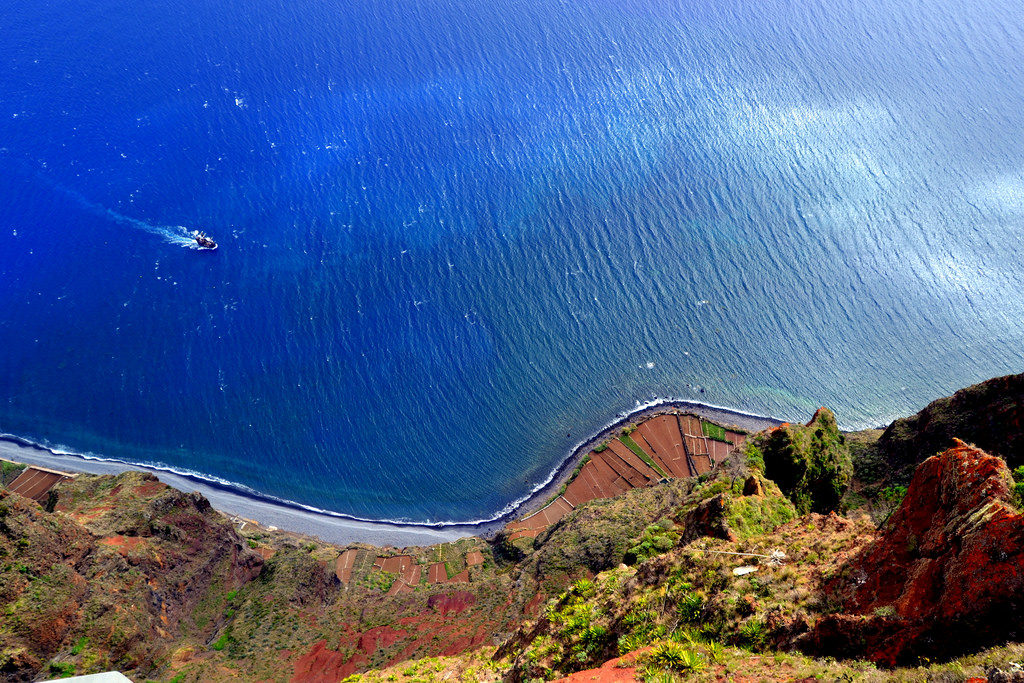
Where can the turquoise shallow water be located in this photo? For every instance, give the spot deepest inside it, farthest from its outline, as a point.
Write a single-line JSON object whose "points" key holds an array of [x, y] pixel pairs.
{"points": [[457, 237]]}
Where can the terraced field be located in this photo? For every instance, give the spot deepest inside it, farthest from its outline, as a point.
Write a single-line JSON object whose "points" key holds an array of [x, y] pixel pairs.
{"points": [[670, 445]]}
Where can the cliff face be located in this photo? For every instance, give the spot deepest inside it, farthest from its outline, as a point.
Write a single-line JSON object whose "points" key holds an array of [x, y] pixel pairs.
{"points": [[124, 568], [989, 415], [945, 576]]}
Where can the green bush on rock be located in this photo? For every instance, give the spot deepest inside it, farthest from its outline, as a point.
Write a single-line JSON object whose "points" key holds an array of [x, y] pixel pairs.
{"points": [[810, 463]]}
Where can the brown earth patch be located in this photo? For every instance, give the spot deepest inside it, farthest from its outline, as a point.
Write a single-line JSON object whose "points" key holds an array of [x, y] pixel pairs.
{"points": [[454, 603], [437, 573], [379, 637], [321, 665]]}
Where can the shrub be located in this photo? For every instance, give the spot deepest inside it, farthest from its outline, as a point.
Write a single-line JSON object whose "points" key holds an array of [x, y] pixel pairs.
{"points": [[690, 607], [584, 588], [80, 645], [753, 634], [62, 670], [1018, 486], [885, 611], [657, 539], [754, 456], [674, 656], [811, 464]]}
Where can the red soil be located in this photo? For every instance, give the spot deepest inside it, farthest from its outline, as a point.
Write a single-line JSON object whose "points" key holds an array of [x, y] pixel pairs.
{"points": [[736, 438], [379, 637], [393, 565], [608, 480], [461, 577], [321, 665], [633, 478], [719, 450], [150, 488], [34, 483], [343, 565], [630, 458], [123, 543], [437, 573], [580, 489], [412, 575], [697, 445], [690, 424], [525, 533], [612, 671], [476, 557], [662, 433], [451, 603]]}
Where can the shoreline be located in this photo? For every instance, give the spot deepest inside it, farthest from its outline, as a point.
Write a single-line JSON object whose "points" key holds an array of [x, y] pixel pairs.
{"points": [[727, 417], [339, 528]]}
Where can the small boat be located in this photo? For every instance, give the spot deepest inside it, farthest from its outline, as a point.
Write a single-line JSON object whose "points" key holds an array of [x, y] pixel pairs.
{"points": [[203, 240]]}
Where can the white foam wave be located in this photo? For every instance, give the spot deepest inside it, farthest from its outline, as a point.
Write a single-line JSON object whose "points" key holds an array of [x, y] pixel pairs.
{"points": [[505, 512]]}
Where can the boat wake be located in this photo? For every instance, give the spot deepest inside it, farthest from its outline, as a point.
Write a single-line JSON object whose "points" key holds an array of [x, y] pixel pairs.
{"points": [[177, 235]]}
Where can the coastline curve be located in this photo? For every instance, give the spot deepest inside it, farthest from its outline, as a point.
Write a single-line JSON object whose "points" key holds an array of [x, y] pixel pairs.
{"points": [[338, 527]]}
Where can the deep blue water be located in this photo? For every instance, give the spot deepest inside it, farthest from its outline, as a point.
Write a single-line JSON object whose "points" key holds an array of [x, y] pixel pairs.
{"points": [[457, 236]]}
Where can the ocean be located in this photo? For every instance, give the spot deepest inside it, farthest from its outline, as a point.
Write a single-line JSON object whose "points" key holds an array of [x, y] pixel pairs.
{"points": [[457, 238]]}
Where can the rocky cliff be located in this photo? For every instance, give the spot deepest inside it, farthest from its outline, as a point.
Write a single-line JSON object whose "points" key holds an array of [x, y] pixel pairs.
{"points": [[122, 570], [756, 569], [989, 415], [945, 577]]}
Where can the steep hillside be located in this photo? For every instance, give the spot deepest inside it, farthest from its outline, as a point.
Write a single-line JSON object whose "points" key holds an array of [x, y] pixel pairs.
{"points": [[122, 572], [989, 415]]}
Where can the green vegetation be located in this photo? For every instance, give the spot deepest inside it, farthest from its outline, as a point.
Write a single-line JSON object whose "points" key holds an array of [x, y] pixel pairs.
{"points": [[222, 642], [890, 498], [62, 669], [713, 431], [628, 442], [657, 538], [9, 471], [598, 535], [80, 645], [383, 581], [674, 656], [1018, 486], [753, 456], [749, 516], [811, 464]]}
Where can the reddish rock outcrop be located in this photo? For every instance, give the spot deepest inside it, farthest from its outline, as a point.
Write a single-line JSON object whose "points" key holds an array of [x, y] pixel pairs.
{"points": [[707, 519], [946, 575], [321, 665]]}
